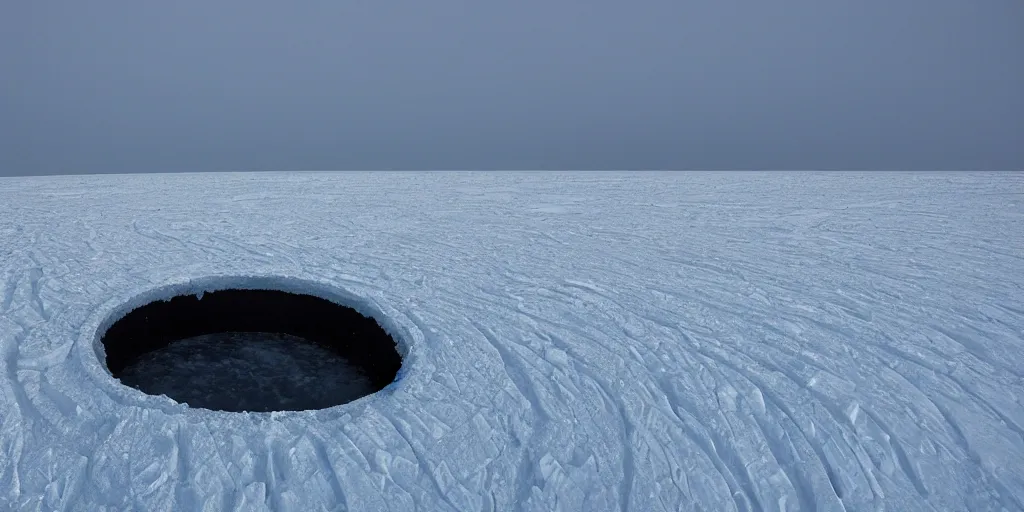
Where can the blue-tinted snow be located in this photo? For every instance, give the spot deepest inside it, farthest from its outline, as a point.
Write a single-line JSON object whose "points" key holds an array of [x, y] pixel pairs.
{"points": [[601, 341]]}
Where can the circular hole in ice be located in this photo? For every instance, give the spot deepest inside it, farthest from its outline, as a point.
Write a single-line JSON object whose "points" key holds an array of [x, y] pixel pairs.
{"points": [[251, 350]]}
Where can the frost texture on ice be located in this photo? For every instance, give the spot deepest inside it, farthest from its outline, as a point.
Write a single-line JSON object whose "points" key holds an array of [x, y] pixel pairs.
{"points": [[736, 341]]}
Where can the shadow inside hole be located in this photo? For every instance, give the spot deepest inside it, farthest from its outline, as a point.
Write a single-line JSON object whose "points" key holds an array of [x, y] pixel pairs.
{"points": [[251, 350]]}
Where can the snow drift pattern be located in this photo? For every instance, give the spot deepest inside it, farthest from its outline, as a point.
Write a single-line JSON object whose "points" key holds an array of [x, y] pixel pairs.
{"points": [[570, 341]]}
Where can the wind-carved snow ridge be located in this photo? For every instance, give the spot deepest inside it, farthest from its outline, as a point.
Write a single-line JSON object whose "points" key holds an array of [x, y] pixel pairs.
{"points": [[570, 341]]}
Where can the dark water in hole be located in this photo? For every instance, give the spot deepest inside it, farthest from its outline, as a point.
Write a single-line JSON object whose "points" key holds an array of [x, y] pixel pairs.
{"points": [[248, 371]]}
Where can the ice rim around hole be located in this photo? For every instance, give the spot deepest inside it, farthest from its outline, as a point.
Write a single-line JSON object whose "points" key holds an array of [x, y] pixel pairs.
{"points": [[91, 351]]}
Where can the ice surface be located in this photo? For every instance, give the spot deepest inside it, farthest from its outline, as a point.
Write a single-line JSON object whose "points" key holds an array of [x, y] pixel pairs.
{"points": [[603, 341], [248, 371]]}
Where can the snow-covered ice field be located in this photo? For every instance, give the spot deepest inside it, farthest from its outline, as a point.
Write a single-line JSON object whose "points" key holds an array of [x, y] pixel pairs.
{"points": [[591, 341]]}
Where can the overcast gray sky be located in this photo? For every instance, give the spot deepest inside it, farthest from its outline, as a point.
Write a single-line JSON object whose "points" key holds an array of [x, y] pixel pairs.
{"points": [[129, 86]]}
